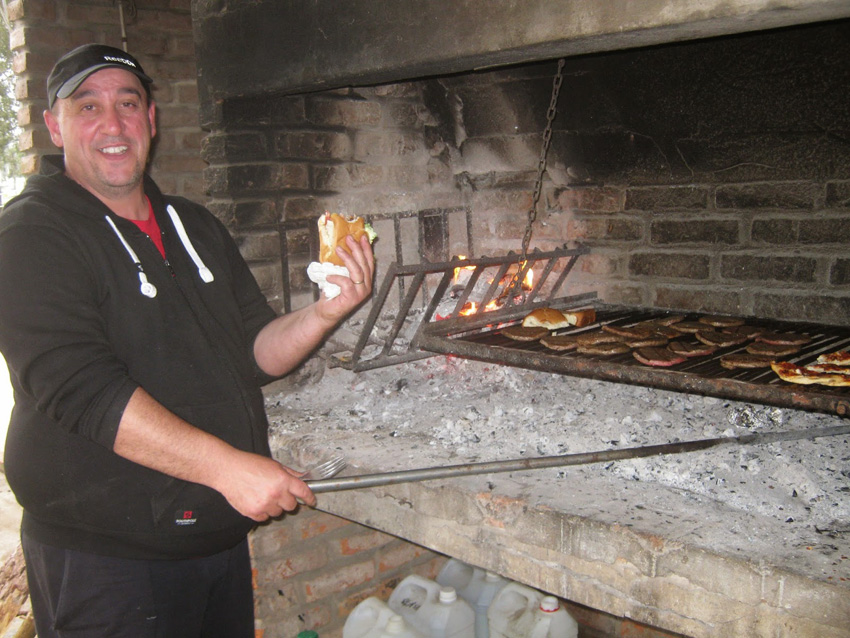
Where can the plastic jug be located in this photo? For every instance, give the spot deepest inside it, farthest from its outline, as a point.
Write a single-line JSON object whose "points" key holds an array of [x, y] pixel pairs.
{"points": [[432, 609], [373, 618], [522, 612], [476, 586]]}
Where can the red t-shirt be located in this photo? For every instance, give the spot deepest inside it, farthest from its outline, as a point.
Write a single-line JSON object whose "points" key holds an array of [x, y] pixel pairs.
{"points": [[151, 229]]}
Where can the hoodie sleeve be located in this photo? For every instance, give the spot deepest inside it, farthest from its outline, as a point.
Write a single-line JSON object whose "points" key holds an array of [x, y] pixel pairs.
{"points": [[51, 332]]}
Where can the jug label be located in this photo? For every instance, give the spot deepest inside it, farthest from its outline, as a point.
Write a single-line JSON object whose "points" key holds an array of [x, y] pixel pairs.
{"points": [[412, 604]]}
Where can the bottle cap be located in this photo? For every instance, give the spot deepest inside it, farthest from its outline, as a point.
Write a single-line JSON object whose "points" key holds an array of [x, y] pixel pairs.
{"points": [[549, 604], [395, 625], [448, 594]]}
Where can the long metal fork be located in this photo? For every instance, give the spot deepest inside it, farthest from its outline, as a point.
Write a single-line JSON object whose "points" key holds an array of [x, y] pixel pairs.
{"points": [[325, 470], [580, 458]]}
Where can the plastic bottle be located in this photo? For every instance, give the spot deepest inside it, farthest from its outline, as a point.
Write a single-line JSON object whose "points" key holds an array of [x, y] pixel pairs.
{"points": [[373, 618], [432, 609], [522, 612], [476, 586]]}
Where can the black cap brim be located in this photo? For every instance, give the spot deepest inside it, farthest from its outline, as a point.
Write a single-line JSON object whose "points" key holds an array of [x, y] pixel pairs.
{"points": [[74, 82]]}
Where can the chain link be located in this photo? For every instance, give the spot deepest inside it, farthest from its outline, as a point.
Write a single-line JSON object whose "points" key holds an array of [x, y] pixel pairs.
{"points": [[541, 168]]}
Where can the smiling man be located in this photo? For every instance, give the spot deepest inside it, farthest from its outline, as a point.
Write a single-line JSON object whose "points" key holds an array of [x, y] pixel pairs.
{"points": [[105, 127], [137, 342]]}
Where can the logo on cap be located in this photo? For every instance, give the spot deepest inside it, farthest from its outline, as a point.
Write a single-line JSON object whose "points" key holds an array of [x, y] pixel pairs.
{"points": [[110, 58], [75, 66]]}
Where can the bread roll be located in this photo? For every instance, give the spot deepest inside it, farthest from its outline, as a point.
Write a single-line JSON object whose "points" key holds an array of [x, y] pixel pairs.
{"points": [[548, 318], [579, 318]]}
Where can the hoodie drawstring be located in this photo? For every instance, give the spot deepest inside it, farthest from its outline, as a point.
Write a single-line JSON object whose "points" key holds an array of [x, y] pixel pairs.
{"points": [[203, 272], [147, 288]]}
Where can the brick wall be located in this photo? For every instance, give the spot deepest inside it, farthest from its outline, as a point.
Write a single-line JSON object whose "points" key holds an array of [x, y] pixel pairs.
{"points": [[159, 35], [312, 569], [702, 175], [278, 162], [696, 189], [742, 249]]}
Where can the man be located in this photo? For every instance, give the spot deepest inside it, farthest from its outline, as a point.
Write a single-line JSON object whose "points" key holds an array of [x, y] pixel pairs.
{"points": [[137, 342]]}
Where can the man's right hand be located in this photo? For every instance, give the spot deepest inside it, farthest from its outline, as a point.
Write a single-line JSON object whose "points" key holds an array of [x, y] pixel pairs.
{"points": [[256, 486], [261, 488]]}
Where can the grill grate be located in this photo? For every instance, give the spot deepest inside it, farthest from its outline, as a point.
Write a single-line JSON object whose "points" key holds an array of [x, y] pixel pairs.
{"points": [[418, 331], [700, 375], [419, 300]]}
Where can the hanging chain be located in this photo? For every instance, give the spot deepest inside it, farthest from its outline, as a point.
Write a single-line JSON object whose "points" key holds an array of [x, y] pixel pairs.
{"points": [[132, 11], [541, 168]]}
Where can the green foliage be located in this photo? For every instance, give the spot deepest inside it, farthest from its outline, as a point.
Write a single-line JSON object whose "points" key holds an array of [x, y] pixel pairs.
{"points": [[10, 155]]}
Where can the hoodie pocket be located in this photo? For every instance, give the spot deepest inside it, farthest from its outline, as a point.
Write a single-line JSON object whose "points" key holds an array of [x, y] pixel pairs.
{"points": [[182, 506]]}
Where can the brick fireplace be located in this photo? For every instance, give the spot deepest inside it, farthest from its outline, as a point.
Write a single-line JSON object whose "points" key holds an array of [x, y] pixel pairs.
{"points": [[706, 174]]}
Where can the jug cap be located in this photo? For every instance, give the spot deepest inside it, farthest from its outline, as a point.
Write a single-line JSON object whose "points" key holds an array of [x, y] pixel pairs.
{"points": [[549, 604], [448, 594], [395, 624]]}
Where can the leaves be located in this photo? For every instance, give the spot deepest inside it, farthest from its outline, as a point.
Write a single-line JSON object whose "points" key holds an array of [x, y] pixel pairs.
{"points": [[10, 155]]}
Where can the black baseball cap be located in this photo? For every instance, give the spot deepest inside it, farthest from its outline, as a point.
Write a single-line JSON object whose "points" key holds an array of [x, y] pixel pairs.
{"points": [[75, 66]]}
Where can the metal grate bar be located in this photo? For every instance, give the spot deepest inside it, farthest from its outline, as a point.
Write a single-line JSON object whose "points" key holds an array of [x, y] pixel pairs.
{"points": [[496, 283], [398, 324], [540, 281], [470, 286]]}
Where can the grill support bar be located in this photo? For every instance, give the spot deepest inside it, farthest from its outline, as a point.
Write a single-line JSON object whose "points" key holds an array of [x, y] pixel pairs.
{"points": [[418, 284]]}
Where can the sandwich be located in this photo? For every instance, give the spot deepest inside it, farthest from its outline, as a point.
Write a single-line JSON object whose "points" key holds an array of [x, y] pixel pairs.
{"points": [[333, 229]]}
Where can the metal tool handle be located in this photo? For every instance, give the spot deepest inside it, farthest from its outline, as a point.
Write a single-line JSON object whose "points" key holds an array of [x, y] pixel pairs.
{"points": [[581, 458]]}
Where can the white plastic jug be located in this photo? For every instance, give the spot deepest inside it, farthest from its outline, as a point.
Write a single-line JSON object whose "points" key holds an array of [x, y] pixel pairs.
{"points": [[476, 586], [432, 609], [373, 618], [522, 612]]}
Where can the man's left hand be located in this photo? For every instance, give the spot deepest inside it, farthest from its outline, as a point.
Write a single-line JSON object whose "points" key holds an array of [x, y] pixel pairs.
{"points": [[360, 262]]}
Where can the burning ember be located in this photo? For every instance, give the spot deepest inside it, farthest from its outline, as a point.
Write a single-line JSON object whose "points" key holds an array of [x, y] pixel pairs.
{"points": [[470, 307]]}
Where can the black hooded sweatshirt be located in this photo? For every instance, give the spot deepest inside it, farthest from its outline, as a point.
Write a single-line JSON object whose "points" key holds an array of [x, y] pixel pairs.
{"points": [[81, 332]]}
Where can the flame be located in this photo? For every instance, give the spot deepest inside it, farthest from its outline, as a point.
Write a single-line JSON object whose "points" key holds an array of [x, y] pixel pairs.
{"points": [[459, 268], [528, 282], [472, 307]]}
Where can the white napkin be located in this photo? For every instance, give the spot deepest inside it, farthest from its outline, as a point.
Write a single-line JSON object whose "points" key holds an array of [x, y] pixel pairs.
{"points": [[318, 272]]}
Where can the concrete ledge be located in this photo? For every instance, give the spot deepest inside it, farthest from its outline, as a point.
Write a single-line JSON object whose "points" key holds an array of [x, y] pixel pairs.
{"points": [[659, 579], [738, 541]]}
